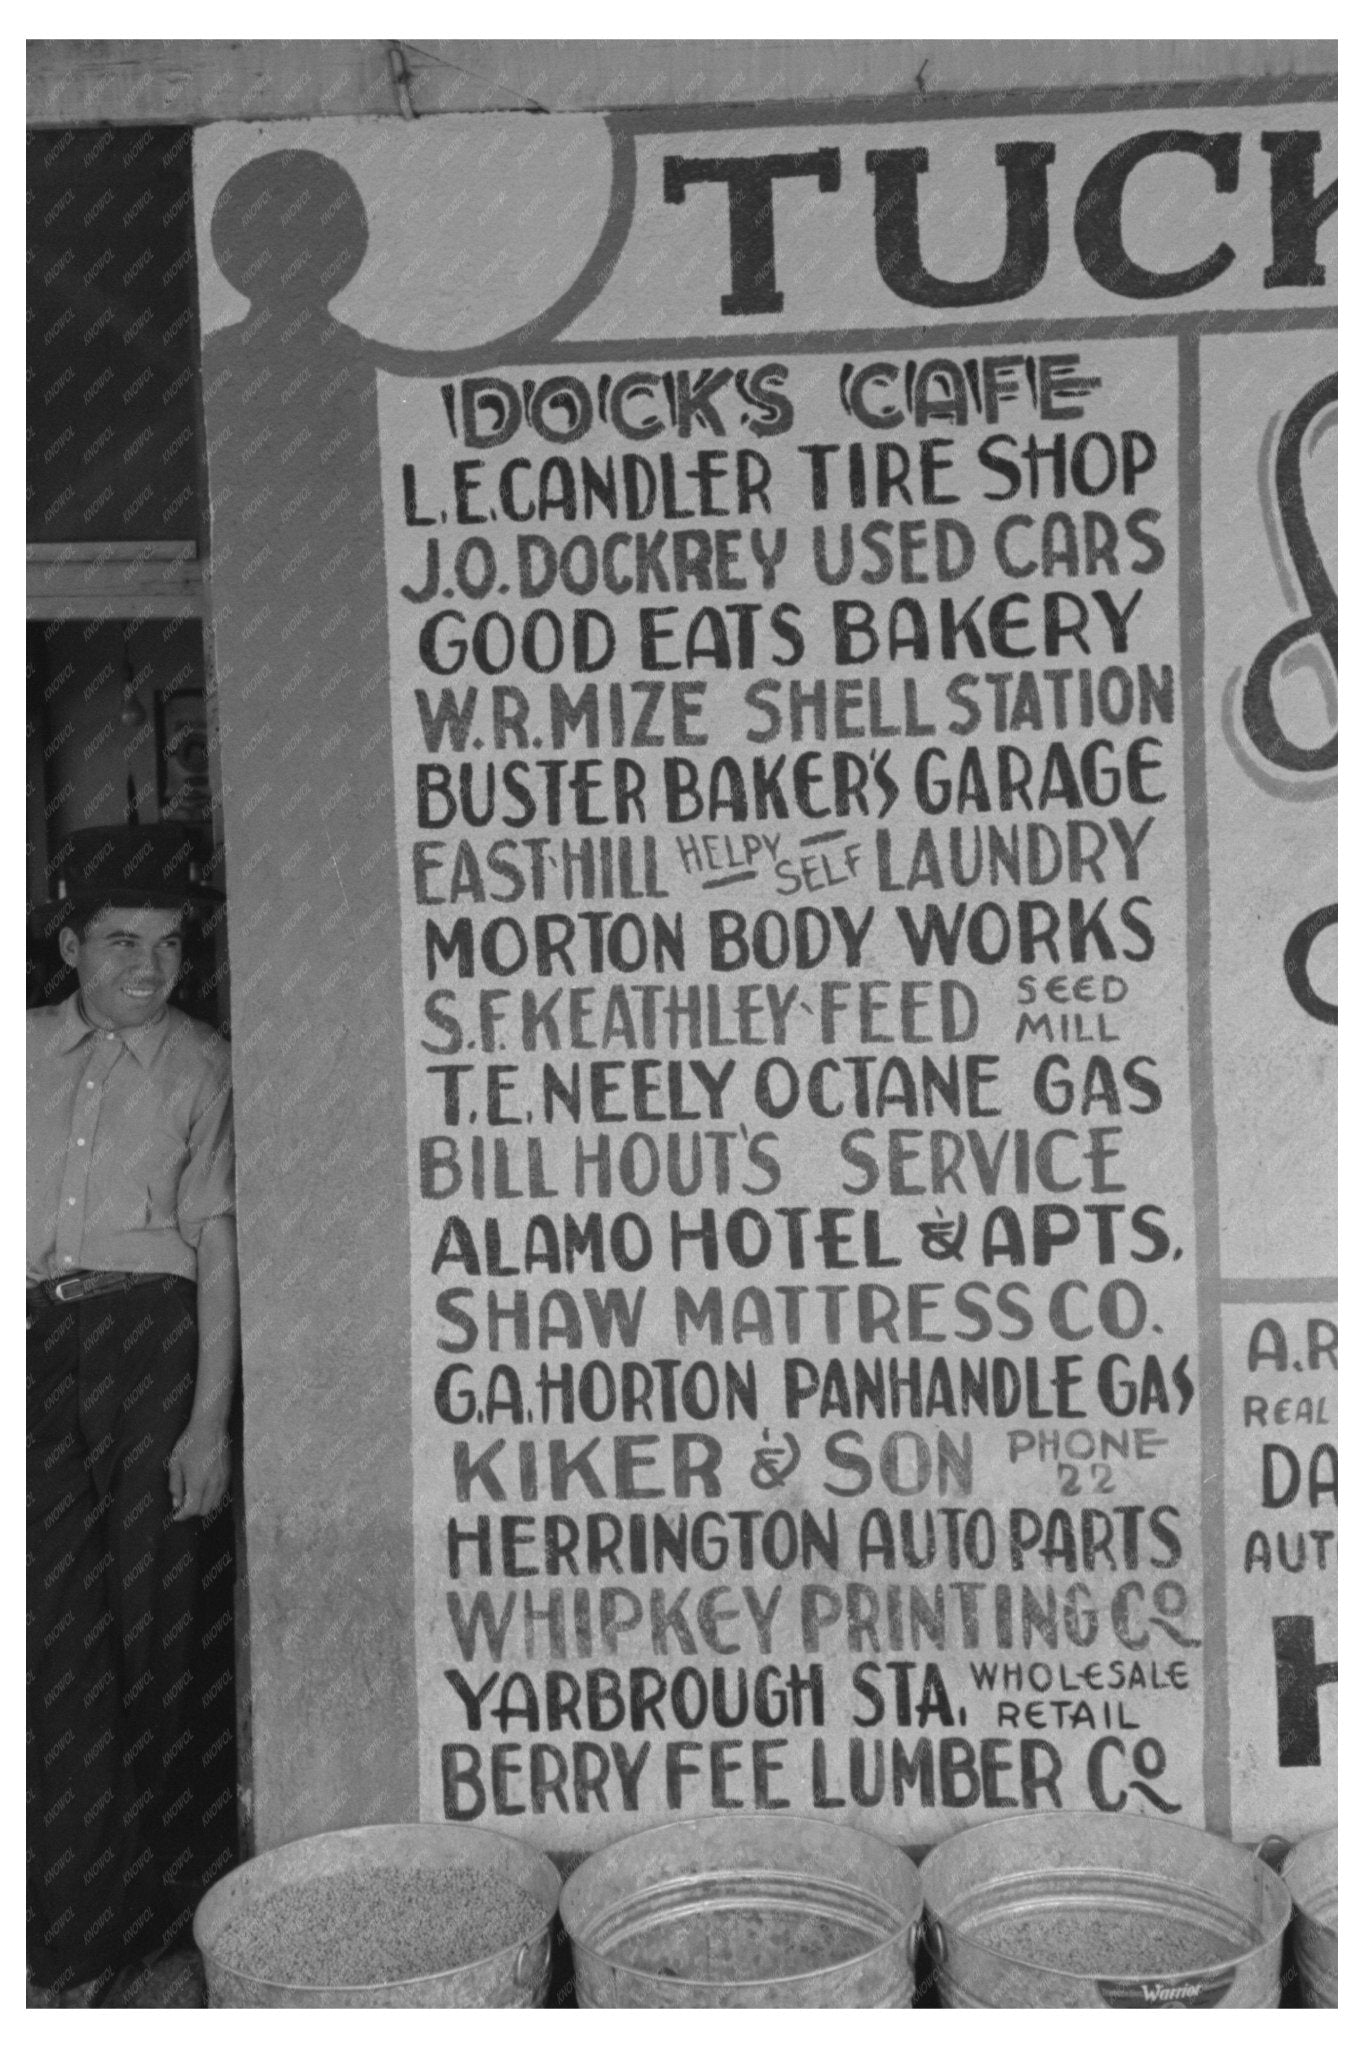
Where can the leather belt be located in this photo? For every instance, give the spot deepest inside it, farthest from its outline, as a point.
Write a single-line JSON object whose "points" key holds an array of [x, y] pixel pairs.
{"points": [[83, 1286]]}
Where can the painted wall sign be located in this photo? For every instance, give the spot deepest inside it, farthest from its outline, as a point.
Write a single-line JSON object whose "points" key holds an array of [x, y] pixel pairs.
{"points": [[826, 634]]}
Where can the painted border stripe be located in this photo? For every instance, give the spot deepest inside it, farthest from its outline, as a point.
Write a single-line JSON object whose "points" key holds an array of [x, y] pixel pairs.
{"points": [[1270, 1291], [1203, 1109]]}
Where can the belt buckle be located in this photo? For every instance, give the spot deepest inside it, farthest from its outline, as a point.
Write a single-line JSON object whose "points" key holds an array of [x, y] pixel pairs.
{"points": [[57, 1288]]}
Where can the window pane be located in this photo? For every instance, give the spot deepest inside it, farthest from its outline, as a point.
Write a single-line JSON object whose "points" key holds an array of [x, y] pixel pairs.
{"points": [[111, 336]]}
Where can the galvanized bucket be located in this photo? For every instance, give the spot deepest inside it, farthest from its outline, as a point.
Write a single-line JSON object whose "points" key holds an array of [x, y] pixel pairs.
{"points": [[1310, 1874], [515, 1971], [744, 1910], [1101, 1910]]}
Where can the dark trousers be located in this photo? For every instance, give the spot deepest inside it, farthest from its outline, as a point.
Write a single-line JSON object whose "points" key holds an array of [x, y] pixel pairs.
{"points": [[131, 1757]]}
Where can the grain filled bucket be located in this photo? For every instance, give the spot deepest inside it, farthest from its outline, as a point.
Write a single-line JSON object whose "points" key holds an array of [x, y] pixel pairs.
{"points": [[1092, 1909], [744, 1910], [1310, 1874], [409, 1915]]}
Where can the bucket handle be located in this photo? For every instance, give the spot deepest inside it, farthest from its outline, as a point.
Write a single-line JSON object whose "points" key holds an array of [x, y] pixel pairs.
{"points": [[1273, 1849], [527, 1964], [930, 1946]]}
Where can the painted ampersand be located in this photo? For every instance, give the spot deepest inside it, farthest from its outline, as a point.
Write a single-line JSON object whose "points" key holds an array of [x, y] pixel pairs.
{"points": [[1263, 726], [1319, 620]]}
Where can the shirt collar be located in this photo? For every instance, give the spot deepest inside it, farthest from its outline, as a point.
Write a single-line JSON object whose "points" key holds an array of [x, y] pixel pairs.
{"points": [[144, 1043]]}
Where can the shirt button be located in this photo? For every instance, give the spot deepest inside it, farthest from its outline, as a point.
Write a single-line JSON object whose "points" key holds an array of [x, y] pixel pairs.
{"points": [[89, 1084], [70, 1259], [71, 1201], [80, 1141]]}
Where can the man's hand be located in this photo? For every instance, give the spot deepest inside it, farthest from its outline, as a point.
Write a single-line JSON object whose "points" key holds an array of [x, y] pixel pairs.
{"points": [[198, 1472]]}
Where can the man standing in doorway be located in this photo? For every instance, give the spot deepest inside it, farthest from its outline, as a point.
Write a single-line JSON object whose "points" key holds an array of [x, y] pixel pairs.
{"points": [[132, 1346]]}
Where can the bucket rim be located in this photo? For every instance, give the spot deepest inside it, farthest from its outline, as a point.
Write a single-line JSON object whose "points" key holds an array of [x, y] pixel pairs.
{"points": [[737, 1823], [908, 1933], [372, 1829], [1017, 1823]]}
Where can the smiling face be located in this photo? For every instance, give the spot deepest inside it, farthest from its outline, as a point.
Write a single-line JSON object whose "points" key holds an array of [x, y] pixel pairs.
{"points": [[127, 962]]}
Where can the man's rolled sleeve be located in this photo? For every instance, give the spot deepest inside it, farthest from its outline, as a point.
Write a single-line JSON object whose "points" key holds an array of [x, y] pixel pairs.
{"points": [[206, 1185]]}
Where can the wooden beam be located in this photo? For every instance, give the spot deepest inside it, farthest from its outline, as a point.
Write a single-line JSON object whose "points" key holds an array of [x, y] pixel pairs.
{"points": [[81, 83], [114, 580]]}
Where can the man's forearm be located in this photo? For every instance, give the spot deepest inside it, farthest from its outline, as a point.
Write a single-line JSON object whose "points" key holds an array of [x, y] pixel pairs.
{"points": [[218, 1323]]}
